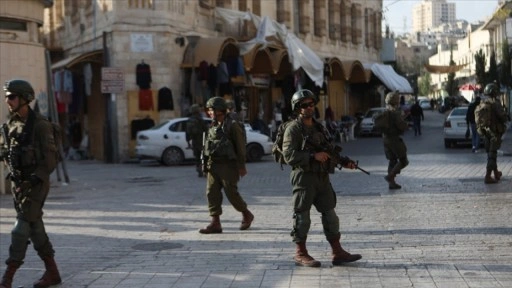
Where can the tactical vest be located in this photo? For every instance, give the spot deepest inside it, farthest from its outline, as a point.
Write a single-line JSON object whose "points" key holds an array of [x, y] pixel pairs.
{"points": [[219, 145]]}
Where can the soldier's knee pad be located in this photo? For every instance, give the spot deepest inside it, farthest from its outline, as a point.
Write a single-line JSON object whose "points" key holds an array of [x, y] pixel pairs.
{"points": [[21, 230], [330, 222], [404, 162], [301, 225]]}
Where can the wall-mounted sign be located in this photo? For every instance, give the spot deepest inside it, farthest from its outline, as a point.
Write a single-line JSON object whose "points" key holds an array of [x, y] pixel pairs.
{"points": [[112, 80], [260, 80], [141, 42]]}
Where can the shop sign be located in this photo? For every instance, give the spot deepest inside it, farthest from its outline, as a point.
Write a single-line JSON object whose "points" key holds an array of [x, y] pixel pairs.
{"points": [[141, 42], [112, 80], [260, 80]]}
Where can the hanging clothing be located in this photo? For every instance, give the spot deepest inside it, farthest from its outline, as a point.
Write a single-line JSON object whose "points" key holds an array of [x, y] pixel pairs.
{"points": [[212, 78], [165, 101], [202, 74], [146, 99], [222, 73], [143, 75], [139, 125]]}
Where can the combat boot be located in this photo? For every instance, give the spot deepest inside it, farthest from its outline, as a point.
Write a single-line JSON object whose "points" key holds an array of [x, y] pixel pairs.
{"points": [[488, 178], [246, 220], [213, 228], [9, 274], [339, 255], [51, 276], [390, 178], [302, 257], [497, 174]]}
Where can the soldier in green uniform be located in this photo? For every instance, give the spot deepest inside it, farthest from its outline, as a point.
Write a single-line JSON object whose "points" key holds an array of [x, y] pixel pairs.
{"points": [[196, 127], [310, 180], [225, 149], [493, 133], [28, 148], [394, 146]]}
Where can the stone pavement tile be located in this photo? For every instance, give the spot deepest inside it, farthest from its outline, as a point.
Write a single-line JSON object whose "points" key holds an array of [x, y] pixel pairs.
{"points": [[451, 284]]}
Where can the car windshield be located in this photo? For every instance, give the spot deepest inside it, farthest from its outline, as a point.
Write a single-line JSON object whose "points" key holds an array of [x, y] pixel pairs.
{"points": [[372, 113], [459, 112], [159, 125]]}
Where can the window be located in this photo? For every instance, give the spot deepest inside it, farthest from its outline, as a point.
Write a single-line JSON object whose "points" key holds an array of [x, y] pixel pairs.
{"points": [[11, 24], [345, 21], [319, 18], [283, 15], [303, 16], [356, 23], [256, 7], [334, 25], [242, 5]]}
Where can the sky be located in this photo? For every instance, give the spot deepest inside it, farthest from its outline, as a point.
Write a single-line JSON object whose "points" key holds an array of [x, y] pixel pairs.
{"points": [[470, 10]]}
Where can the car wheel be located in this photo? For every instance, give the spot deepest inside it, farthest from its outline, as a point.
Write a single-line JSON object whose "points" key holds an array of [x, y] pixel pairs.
{"points": [[447, 143], [254, 152], [172, 156]]}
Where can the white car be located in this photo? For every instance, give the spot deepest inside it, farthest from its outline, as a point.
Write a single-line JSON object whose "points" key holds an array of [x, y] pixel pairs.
{"points": [[166, 143], [455, 127], [425, 104], [367, 124]]}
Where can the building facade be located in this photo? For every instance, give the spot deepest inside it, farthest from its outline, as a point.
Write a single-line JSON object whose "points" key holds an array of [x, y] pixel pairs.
{"points": [[161, 53], [431, 13], [22, 53]]}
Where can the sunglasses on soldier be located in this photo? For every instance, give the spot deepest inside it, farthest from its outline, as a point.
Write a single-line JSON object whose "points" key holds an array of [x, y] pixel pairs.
{"points": [[305, 105], [11, 96]]}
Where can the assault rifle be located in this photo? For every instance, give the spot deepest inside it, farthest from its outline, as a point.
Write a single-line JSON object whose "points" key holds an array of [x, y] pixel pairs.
{"points": [[204, 158], [336, 160]]}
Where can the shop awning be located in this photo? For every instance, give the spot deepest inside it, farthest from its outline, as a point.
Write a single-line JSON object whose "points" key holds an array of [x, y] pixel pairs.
{"points": [[443, 69], [210, 50], [390, 78], [93, 56]]}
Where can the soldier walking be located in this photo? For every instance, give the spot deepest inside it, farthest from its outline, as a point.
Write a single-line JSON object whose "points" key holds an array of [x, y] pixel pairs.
{"points": [[394, 146], [196, 129], [310, 180], [225, 149], [491, 126], [29, 150]]}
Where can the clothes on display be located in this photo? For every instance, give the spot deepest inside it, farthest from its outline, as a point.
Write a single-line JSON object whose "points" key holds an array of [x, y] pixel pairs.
{"points": [[165, 101], [140, 124], [143, 75], [146, 99]]}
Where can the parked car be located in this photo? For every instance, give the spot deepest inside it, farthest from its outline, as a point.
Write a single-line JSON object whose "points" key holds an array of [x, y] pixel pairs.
{"points": [[166, 143], [367, 124], [455, 127], [425, 104]]}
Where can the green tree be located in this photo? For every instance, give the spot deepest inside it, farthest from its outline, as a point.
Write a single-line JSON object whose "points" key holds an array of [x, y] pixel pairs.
{"points": [[424, 84], [493, 69], [480, 62], [451, 84], [505, 72]]}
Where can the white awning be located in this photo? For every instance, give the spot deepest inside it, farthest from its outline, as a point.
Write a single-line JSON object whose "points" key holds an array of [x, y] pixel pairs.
{"points": [[390, 78]]}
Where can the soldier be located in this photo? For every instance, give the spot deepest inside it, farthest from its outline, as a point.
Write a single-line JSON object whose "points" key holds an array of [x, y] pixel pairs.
{"points": [[196, 127], [225, 149], [29, 150], [310, 181], [394, 146], [493, 132]]}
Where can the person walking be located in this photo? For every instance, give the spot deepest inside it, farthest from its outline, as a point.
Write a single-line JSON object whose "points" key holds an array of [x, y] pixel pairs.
{"points": [[310, 180], [491, 128], [394, 146], [417, 117], [29, 149], [470, 121], [225, 149], [196, 129]]}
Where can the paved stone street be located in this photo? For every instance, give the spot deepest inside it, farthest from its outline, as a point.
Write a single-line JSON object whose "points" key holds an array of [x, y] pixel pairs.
{"points": [[135, 225]]}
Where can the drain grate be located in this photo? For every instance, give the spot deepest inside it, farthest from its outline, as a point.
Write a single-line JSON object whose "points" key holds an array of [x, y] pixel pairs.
{"points": [[158, 246]]}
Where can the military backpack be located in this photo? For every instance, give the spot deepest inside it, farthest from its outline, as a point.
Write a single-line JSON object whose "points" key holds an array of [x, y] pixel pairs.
{"points": [[483, 116], [381, 122]]}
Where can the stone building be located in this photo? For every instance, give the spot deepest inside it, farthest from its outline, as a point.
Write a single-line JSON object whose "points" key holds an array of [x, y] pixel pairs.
{"points": [[22, 53], [269, 47]]}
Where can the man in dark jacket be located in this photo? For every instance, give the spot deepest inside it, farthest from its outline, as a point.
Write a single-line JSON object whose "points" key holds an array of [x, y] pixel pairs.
{"points": [[196, 129], [29, 149], [417, 117], [470, 121]]}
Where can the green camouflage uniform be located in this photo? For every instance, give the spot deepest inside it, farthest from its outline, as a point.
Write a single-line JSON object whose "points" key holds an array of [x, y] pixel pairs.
{"points": [[225, 149], [35, 157], [310, 180], [394, 146], [492, 135]]}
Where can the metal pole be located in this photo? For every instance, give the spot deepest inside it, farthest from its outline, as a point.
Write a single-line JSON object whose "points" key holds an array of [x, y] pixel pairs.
{"points": [[107, 140]]}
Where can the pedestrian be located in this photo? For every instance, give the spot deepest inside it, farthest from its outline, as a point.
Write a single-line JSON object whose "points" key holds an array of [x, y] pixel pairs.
{"points": [[394, 146], [310, 180], [225, 149], [196, 130], [432, 104], [492, 131], [417, 117], [470, 121], [29, 149]]}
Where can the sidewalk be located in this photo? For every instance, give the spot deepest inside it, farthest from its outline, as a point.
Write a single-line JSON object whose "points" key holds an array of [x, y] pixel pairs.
{"points": [[506, 145]]}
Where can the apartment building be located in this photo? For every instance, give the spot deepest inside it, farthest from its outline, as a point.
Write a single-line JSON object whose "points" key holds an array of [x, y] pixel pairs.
{"points": [[431, 13], [152, 48]]}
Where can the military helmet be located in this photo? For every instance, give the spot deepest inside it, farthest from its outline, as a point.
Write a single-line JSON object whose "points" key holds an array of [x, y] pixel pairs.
{"points": [[491, 90], [19, 87], [393, 98], [195, 109], [230, 105], [301, 95], [217, 103]]}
